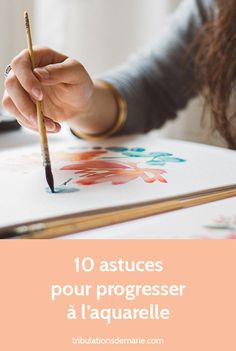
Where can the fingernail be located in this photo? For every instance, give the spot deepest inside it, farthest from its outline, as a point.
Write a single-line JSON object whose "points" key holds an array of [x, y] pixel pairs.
{"points": [[37, 94], [50, 126], [58, 127], [43, 73]]}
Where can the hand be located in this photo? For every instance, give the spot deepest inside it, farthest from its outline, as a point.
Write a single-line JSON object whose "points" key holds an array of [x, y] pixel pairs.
{"points": [[61, 83]]}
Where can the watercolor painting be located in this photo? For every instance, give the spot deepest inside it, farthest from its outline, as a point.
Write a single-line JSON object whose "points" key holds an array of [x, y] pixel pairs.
{"points": [[91, 176], [225, 224], [116, 165], [77, 166]]}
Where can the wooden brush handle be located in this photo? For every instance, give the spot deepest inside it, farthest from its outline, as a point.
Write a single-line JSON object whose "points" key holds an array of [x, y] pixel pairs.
{"points": [[81, 222], [29, 39], [40, 117]]}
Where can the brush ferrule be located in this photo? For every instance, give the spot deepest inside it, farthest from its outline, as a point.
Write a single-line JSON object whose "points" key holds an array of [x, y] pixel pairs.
{"points": [[46, 156], [22, 230]]}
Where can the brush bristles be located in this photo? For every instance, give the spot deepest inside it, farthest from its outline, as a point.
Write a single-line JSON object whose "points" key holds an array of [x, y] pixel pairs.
{"points": [[49, 177]]}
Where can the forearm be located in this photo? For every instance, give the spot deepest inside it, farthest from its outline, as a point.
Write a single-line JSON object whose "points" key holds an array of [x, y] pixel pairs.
{"points": [[156, 83], [160, 81]]}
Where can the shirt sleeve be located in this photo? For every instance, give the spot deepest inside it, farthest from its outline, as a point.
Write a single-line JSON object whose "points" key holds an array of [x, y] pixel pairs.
{"points": [[160, 81]]}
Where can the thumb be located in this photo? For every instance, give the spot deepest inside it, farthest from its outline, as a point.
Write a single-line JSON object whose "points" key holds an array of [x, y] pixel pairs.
{"points": [[69, 71]]}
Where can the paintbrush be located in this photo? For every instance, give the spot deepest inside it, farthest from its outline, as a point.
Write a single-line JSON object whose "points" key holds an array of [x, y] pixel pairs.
{"points": [[40, 117], [78, 222]]}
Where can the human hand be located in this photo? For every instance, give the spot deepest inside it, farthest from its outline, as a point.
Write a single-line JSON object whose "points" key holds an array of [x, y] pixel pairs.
{"points": [[62, 85]]}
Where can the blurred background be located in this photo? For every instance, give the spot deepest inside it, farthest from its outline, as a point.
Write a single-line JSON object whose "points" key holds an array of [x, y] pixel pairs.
{"points": [[100, 34]]}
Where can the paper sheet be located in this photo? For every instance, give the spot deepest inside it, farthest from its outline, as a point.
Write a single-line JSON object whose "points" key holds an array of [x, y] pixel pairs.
{"points": [[116, 172]]}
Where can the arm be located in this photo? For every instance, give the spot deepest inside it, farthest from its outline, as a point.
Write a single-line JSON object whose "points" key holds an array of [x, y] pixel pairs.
{"points": [[155, 84], [159, 82]]}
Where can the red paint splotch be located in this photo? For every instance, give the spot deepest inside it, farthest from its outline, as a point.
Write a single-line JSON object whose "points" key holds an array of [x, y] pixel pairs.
{"points": [[100, 171], [80, 156]]}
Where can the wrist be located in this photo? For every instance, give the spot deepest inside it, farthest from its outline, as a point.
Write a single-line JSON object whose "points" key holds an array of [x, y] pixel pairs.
{"points": [[84, 115], [105, 115]]}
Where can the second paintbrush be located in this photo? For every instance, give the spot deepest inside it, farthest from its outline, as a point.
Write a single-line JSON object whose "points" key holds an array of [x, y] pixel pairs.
{"points": [[40, 117]]}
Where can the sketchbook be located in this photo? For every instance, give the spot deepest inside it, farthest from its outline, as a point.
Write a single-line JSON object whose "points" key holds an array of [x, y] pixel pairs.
{"points": [[97, 176]]}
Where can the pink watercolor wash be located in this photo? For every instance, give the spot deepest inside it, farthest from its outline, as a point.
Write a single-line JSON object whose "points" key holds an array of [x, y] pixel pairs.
{"points": [[101, 171]]}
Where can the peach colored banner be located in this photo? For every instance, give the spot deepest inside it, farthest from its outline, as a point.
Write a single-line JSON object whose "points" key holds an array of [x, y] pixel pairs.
{"points": [[177, 295]]}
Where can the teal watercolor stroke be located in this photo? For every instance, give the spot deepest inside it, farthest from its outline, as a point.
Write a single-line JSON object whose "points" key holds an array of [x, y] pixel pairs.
{"points": [[156, 158]]}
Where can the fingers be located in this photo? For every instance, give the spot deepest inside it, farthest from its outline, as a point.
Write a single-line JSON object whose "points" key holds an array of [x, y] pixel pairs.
{"points": [[24, 87], [21, 99], [11, 108], [22, 68], [45, 56], [51, 126], [69, 71], [31, 123]]}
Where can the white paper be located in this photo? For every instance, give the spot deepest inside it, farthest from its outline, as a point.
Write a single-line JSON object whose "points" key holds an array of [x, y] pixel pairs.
{"points": [[23, 196]]}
